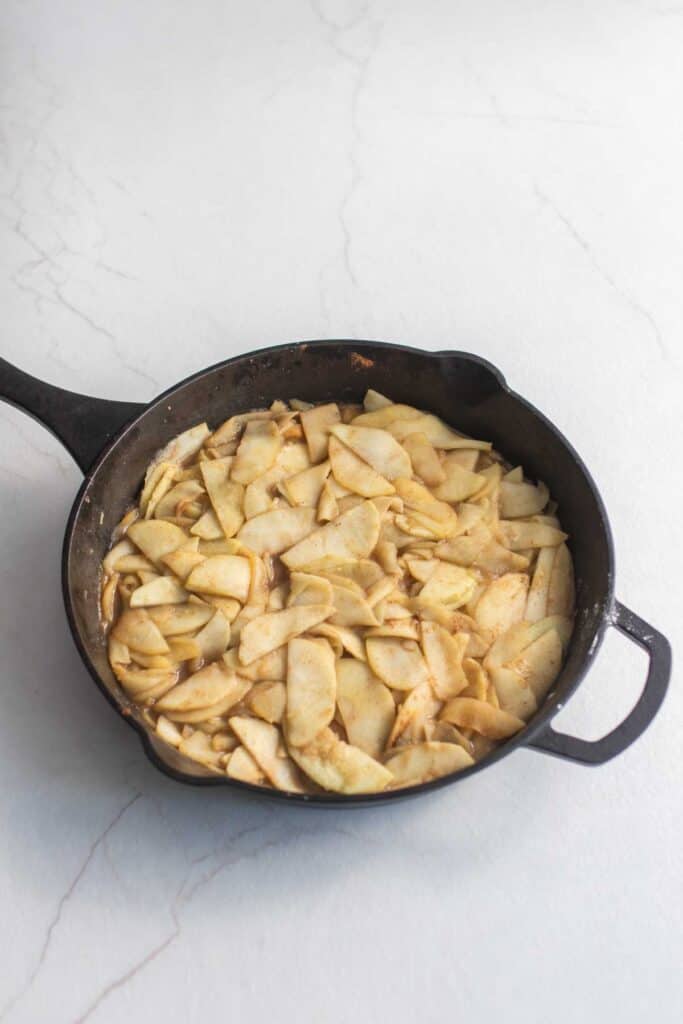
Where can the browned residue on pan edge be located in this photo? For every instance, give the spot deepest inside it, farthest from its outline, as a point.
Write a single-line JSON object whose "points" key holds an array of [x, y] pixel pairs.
{"points": [[359, 362]]}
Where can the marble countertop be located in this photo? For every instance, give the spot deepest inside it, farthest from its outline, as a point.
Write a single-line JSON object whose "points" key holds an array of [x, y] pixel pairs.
{"points": [[182, 182]]}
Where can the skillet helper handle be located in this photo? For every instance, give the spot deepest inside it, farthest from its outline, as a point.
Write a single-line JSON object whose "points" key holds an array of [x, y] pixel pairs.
{"points": [[83, 424], [648, 704]]}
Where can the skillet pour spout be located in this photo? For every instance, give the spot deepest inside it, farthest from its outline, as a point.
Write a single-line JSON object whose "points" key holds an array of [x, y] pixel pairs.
{"points": [[113, 442]]}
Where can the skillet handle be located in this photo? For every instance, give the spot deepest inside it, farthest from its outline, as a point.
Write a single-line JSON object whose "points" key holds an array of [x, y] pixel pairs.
{"points": [[83, 424], [646, 707]]}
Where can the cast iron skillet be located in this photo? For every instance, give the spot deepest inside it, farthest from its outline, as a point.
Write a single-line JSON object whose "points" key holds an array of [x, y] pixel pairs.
{"points": [[113, 442]]}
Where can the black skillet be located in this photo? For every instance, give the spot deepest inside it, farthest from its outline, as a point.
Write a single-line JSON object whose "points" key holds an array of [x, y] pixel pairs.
{"points": [[113, 442]]}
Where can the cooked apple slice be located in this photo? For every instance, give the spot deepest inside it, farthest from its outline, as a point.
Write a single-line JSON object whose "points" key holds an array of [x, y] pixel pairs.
{"points": [[223, 575], [417, 498], [185, 446], [304, 488], [444, 654], [277, 530], [328, 506], [168, 731], [198, 748], [448, 584], [401, 629], [161, 590], [377, 448], [184, 648], [156, 538], [226, 742], [342, 639], [136, 629], [311, 689], [514, 694], [258, 496], [230, 430], [539, 664], [353, 535], [226, 495], [120, 550], [119, 653], [157, 472], [386, 554], [204, 689], [174, 620], [398, 663], [267, 700], [242, 766], [257, 451], [537, 599], [519, 535], [306, 588], [522, 499], [436, 432], [561, 586], [351, 608], [316, 423], [444, 732], [271, 666], [340, 767], [460, 483], [413, 716], [207, 527], [214, 638], [183, 560], [386, 414], [403, 420], [422, 762], [425, 461], [477, 679], [366, 706], [203, 716], [464, 549], [181, 494], [273, 629], [353, 473], [482, 717], [264, 743], [503, 603], [496, 560], [374, 400]]}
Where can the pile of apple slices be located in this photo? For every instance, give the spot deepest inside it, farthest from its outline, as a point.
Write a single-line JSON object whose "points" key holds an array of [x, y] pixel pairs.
{"points": [[336, 597]]}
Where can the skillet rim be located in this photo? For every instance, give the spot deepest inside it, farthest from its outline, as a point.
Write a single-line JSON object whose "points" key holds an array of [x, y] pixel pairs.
{"points": [[332, 800]]}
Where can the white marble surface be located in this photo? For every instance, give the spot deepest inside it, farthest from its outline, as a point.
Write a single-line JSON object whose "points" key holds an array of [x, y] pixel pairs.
{"points": [[181, 182]]}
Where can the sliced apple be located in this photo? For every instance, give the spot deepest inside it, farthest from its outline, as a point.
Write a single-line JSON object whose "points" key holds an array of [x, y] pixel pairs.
{"points": [[444, 655], [273, 629], [277, 530], [242, 766], [353, 535], [137, 630], [426, 761], [267, 700], [340, 767], [311, 689], [156, 538], [174, 620], [316, 423], [223, 575], [398, 663], [264, 743], [257, 451], [468, 713], [503, 603], [161, 590]]}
